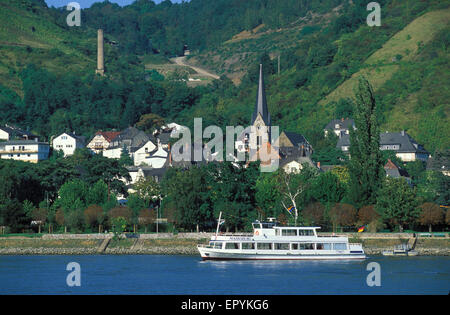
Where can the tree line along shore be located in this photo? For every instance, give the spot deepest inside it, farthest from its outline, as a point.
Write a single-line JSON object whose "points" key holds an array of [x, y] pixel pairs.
{"points": [[169, 244]]}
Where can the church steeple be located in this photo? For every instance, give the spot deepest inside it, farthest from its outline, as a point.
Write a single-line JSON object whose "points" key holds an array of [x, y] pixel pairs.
{"points": [[261, 101]]}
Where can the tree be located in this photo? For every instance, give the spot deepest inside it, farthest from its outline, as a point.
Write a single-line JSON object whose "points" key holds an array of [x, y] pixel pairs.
{"points": [[148, 189], [125, 158], [149, 122], [12, 215], [267, 195], [431, 214], [147, 217], [365, 166], [292, 186], [327, 188], [233, 193], [342, 214], [39, 215], [93, 215], [122, 212], [367, 215], [314, 214], [397, 203], [59, 217]]}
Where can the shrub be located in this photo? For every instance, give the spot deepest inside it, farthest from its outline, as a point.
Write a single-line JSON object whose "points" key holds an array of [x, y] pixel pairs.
{"points": [[343, 214]]}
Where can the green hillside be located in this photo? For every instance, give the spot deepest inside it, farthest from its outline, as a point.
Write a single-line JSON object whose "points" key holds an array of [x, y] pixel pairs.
{"points": [[405, 60], [324, 46], [32, 35]]}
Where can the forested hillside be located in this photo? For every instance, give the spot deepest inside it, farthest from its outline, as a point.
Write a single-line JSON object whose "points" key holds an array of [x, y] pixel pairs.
{"points": [[47, 81]]}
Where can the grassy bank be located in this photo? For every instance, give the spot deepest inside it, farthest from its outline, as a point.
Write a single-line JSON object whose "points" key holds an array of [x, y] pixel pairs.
{"points": [[182, 246]]}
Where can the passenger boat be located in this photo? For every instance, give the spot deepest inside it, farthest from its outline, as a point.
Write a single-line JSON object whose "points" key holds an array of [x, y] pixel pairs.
{"points": [[272, 242]]}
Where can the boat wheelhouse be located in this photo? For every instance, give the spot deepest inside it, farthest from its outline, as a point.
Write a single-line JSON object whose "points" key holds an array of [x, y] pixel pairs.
{"points": [[272, 242]]}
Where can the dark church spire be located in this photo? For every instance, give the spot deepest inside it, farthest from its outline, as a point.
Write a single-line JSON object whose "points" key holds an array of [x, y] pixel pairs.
{"points": [[261, 101]]}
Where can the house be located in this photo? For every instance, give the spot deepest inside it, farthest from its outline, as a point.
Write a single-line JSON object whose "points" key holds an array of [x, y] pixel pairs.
{"points": [[405, 147], [131, 138], [392, 170], [340, 127], [150, 155], [139, 172], [439, 162], [293, 159], [68, 143], [268, 156], [294, 140], [9, 132], [24, 150], [102, 140]]}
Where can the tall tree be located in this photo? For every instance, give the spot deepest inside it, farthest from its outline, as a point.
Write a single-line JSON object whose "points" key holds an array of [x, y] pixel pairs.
{"points": [[365, 166], [397, 203]]}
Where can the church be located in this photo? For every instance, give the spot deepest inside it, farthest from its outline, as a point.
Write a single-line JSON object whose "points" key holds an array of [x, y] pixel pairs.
{"points": [[261, 137]]}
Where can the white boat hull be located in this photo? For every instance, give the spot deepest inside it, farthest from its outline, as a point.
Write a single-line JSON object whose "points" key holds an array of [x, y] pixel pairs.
{"points": [[211, 254]]}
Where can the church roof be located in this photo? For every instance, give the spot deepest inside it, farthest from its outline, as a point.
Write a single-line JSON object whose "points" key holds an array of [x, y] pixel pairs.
{"points": [[261, 101]]}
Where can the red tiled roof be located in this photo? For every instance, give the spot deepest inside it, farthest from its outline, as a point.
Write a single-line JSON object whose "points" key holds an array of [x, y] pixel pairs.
{"points": [[108, 135], [390, 165]]}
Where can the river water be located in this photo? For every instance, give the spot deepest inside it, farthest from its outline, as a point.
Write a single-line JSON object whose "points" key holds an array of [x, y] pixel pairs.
{"points": [[154, 274]]}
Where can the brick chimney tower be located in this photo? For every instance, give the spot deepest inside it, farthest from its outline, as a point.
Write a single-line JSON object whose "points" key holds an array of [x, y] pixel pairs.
{"points": [[100, 60]]}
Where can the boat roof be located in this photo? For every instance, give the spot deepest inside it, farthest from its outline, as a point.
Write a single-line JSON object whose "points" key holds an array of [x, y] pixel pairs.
{"points": [[297, 227]]}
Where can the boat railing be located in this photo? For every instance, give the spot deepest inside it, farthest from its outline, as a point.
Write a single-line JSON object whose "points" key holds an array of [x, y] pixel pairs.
{"points": [[205, 246], [235, 234]]}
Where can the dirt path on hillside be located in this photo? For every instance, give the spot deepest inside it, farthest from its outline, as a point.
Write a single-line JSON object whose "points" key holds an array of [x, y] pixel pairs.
{"points": [[182, 62]]}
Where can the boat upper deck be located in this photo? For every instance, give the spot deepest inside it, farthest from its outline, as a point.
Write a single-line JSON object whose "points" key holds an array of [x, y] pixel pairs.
{"points": [[269, 231]]}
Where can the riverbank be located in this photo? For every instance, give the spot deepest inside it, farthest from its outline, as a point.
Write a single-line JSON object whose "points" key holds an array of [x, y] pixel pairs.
{"points": [[186, 244]]}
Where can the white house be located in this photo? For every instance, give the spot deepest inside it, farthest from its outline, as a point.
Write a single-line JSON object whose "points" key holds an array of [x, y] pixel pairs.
{"points": [[68, 142], [143, 153], [24, 150], [156, 159], [102, 140]]}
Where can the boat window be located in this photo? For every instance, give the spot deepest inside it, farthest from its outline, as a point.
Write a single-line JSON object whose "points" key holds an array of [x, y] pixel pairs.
{"points": [[282, 246], [306, 246], [277, 232], [289, 232], [264, 245], [294, 246], [231, 245], [218, 245], [256, 225], [325, 246], [340, 246], [306, 233], [248, 245], [267, 225]]}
